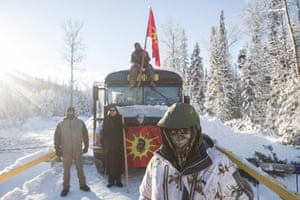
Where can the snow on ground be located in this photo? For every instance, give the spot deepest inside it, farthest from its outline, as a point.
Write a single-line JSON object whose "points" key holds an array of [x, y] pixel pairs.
{"points": [[43, 181]]}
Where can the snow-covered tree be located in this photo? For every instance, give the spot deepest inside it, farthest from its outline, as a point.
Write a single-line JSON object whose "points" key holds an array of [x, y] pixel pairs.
{"points": [[214, 89], [175, 42], [29, 97], [220, 96], [184, 68], [271, 67], [197, 88], [226, 75], [248, 98], [254, 86], [287, 122], [171, 40]]}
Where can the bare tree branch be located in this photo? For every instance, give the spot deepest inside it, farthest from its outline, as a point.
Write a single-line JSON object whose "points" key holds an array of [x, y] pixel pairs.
{"points": [[74, 53]]}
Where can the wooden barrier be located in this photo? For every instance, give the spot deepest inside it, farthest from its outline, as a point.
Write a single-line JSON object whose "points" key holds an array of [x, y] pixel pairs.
{"points": [[268, 181], [7, 175]]}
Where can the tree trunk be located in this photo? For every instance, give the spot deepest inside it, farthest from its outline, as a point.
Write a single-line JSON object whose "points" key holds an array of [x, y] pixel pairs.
{"points": [[293, 38]]}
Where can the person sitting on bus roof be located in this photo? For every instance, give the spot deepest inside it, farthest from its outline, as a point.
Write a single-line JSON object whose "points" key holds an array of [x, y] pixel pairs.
{"points": [[140, 62]]}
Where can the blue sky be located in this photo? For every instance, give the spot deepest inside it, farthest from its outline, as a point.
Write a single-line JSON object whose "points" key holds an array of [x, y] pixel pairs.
{"points": [[31, 34]]}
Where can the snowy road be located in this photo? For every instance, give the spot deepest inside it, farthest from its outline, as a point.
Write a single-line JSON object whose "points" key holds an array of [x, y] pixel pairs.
{"points": [[45, 182], [28, 138]]}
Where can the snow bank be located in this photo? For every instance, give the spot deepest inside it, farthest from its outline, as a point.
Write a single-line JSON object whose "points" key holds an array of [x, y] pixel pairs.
{"points": [[26, 159]]}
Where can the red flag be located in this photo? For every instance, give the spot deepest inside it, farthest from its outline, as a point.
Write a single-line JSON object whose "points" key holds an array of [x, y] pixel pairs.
{"points": [[151, 32], [141, 142]]}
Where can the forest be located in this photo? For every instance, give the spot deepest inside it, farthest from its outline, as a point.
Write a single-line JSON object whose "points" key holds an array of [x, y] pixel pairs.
{"points": [[260, 86], [23, 96]]}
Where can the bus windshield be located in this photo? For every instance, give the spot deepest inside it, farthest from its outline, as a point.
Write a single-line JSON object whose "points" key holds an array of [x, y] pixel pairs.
{"points": [[160, 95]]}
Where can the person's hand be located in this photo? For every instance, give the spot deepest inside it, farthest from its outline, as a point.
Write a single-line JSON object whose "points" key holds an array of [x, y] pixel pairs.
{"points": [[85, 150], [58, 153], [58, 159]]}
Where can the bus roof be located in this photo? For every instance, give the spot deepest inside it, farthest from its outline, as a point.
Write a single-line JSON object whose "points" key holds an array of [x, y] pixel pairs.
{"points": [[165, 75]]}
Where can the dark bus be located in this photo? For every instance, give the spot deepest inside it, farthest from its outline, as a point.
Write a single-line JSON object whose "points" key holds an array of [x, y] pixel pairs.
{"points": [[142, 107]]}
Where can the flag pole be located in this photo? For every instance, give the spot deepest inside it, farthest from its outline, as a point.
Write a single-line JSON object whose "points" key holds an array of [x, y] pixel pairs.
{"points": [[125, 152], [145, 44], [146, 36], [143, 61]]}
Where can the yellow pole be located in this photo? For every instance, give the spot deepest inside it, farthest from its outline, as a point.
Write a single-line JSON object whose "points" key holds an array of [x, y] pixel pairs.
{"points": [[7, 175], [268, 181]]}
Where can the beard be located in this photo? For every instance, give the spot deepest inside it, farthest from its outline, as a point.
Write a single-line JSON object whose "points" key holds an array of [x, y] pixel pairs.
{"points": [[70, 116]]}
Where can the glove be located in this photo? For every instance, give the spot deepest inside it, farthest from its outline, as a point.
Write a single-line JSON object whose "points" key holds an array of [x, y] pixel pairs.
{"points": [[58, 159], [58, 153], [85, 150]]}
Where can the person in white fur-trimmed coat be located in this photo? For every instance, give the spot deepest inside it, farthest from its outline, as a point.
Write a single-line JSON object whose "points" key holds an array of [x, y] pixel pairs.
{"points": [[185, 167]]}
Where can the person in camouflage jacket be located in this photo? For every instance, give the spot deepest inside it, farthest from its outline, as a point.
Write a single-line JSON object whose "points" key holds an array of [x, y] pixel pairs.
{"points": [[185, 167]]}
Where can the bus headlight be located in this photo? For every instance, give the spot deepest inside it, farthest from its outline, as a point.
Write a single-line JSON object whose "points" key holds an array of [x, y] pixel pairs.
{"points": [[140, 118]]}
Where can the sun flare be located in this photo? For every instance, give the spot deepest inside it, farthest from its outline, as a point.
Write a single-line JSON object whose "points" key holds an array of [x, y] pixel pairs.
{"points": [[15, 92]]}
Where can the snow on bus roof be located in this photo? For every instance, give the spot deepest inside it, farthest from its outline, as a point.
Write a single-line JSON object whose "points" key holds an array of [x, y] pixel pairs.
{"points": [[164, 69]]}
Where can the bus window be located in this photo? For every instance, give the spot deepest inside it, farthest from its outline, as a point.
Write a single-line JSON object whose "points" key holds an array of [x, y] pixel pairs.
{"points": [[100, 104], [123, 95], [162, 95]]}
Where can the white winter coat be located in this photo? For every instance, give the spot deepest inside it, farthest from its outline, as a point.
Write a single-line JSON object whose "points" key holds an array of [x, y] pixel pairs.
{"points": [[163, 182]]}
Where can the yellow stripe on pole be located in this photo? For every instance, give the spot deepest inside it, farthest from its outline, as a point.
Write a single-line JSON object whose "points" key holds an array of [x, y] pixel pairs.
{"points": [[268, 181], [7, 175]]}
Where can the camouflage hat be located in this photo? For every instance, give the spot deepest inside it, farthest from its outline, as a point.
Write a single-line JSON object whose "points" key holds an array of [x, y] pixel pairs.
{"points": [[180, 115]]}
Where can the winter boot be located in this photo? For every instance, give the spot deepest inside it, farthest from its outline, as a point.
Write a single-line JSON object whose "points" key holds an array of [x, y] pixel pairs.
{"points": [[109, 185], [110, 181], [85, 188], [118, 181], [64, 192], [119, 184]]}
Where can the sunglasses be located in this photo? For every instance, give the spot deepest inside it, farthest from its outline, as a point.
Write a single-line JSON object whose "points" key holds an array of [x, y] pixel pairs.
{"points": [[173, 132]]}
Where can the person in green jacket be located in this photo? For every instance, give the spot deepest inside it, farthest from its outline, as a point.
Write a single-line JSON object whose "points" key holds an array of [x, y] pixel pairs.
{"points": [[69, 135]]}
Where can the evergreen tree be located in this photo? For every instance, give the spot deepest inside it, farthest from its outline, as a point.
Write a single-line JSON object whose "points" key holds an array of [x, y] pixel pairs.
{"points": [[256, 60], [196, 80], [183, 59], [248, 88], [274, 20], [213, 93], [271, 68], [226, 75]]}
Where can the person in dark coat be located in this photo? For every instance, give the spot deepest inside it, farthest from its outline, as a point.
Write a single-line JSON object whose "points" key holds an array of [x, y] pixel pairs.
{"points": [[113, 144]]}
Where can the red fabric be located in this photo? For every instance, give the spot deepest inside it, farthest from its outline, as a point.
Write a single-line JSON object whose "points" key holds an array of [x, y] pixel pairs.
{"points": [[151, 32], [141, 142]]}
